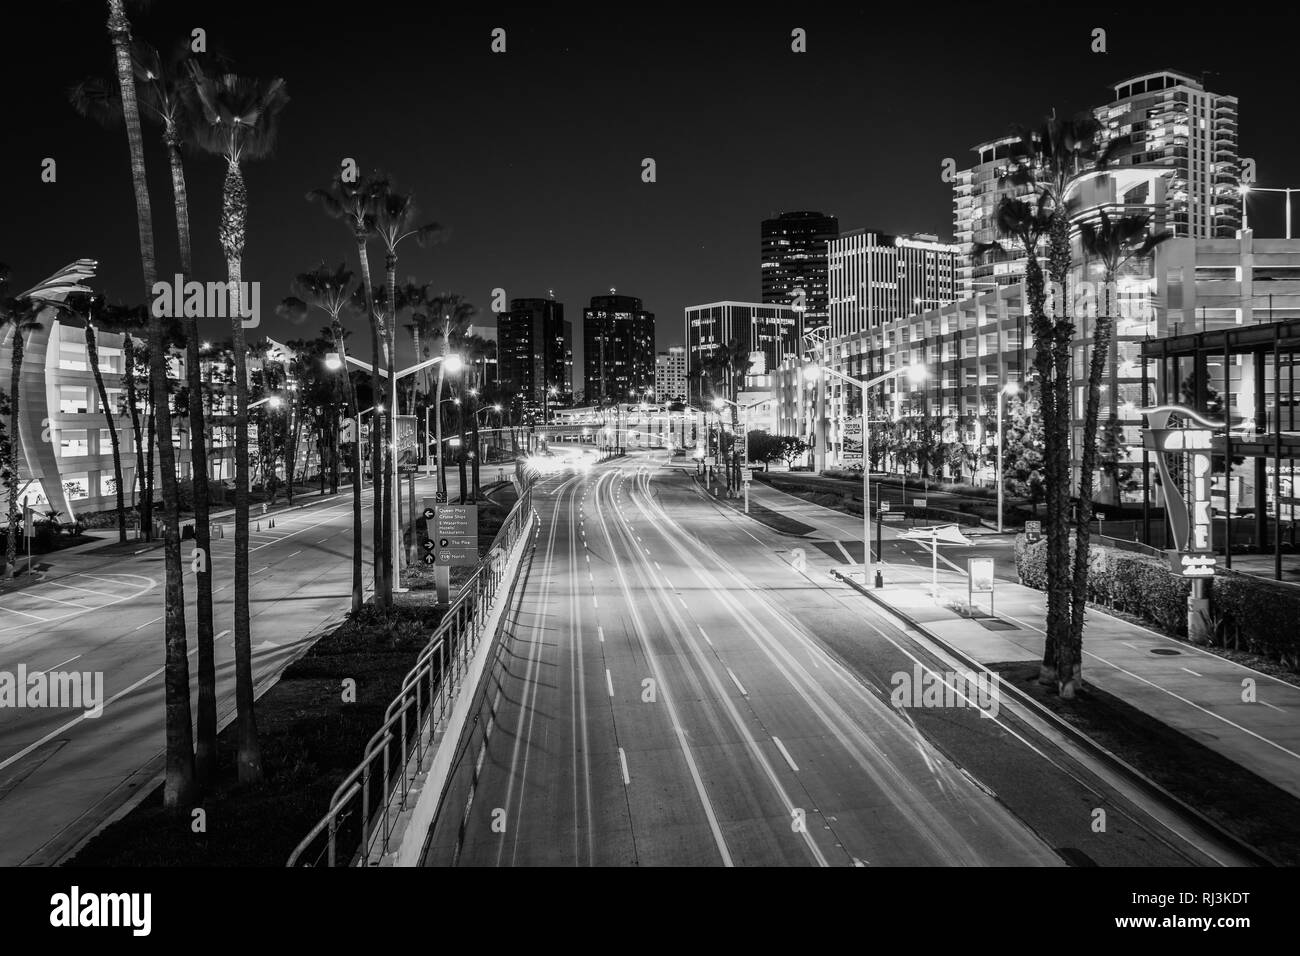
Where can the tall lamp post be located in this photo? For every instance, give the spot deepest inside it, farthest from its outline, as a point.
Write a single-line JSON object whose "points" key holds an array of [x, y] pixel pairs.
{"points": [[450, 362], [914, 372], [1011, 388], [719, 402], [1247, 190]]}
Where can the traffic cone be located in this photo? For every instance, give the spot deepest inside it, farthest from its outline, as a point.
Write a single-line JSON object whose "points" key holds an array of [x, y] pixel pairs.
{"points": [[259, 527]]}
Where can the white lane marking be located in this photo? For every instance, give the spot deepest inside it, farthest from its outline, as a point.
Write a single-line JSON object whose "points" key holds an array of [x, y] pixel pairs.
{"points": [[739, 686], [221, 635], [295, 554], [601, 631], [785, 753], [1130, 644], [42, 597], [1274, 706], [683, 600], [594, 602], [657, 568], [147, 623], [609, 682], [261, 569], [1190, 671], [73, 587], [54, 666], [622, 760], [14, 610], [705, 636]]}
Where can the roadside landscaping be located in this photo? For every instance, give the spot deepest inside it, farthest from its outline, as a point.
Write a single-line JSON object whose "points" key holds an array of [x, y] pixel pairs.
{"points": [[1250, 615], [311, 739]]}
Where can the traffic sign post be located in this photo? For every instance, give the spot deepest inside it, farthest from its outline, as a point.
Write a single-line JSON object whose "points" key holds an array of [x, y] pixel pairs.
{"points": [[450, 540], [1033, 531]]}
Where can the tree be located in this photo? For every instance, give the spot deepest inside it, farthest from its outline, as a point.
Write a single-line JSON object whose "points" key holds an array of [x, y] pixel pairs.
{"points": [[1022, 451], [236, 118], [451, 315], [179, 784], [85, 308], [765, 447], [1111, 459], [792, 447], [1114, 242], [354, 199]]}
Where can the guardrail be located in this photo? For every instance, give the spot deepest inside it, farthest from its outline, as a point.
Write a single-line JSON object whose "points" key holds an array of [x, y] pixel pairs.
{"points": [[364, 805]]}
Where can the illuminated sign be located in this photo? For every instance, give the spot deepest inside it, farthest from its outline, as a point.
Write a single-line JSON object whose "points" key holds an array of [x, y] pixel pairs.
{"points": [[1192, 529], [980, 571], [1192, 564]]}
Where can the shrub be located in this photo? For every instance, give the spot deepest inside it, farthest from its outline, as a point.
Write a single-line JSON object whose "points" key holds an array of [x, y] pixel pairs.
{"points": [[1248, 612]]}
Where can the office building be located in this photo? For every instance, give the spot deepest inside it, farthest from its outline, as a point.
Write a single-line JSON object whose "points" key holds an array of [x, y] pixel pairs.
{"points": [[875, 278], [794, 259], [535, 353], [618, 340], [767, 333], [670, 375]]}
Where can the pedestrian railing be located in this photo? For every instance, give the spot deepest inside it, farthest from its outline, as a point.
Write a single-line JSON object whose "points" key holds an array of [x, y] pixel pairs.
{"points": [[358, 825]]}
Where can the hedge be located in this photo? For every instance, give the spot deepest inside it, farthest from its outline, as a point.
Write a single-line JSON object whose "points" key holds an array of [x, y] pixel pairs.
{"points": [[1248, 613]]}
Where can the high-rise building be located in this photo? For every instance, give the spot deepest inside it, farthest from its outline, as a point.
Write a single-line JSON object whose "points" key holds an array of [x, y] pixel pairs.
{"points": [[794, 258], [618, 341], [874, 278], [1169, 119], [1181, 138], [670, 375], [768, 332], [535, 352]]}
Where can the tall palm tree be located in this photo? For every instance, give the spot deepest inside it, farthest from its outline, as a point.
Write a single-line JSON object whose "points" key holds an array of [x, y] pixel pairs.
{"points": [[356, 203], [330, 290], [1051, 158], [395, 216], [1113, 242], [452, 317], [124, 320], [179, 785], [236, 118], [92, 305]]}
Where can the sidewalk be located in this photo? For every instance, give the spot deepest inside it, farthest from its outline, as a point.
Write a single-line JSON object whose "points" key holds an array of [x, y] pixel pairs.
{"points": [[1184, 687]]}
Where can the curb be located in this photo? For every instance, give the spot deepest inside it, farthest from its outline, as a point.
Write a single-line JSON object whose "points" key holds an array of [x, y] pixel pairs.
{"points": [[1135, 776]]}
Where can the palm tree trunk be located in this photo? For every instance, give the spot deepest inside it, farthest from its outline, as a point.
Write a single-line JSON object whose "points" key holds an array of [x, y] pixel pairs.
{"points": [[460, 456], [476, 490], [15, 379], [132, 401], [179, 783], [380, 555], [391, 572], [92, 353], [234, 213], [358, 594]]}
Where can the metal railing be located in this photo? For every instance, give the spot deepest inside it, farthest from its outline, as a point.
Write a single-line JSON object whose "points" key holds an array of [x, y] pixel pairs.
{"points": [[364, 806]]}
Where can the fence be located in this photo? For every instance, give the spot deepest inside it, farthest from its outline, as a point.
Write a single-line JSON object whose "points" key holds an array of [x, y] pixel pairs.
{"points": [[365, 804]]}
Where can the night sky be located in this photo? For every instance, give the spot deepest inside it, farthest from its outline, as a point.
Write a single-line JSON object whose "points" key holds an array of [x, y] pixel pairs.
{"points": [[532, 159]]}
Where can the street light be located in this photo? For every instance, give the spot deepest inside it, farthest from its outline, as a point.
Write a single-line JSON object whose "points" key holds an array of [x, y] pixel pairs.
{"points": [[1246, 190], [718, 403], [914, 372], [1011, 388], [275, 401], [333, 362]]}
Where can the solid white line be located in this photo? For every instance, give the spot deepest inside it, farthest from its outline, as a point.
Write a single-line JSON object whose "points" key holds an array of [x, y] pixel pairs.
{"points": [[147, 623], [739, 686], [622, 759], [14, 610], [72, 587], [42, 597], [785, 753], [609, 682]]}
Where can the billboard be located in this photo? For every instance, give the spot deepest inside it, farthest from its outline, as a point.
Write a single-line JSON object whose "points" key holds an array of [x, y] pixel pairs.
{"points": [[853, 440]]}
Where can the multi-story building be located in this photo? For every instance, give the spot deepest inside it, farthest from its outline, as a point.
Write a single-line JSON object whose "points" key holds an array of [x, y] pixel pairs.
{"points": [[1164, 122], [535, 353], [976, 345], [1169, 119], [794, 260], [874, 278], [769, 333], [670, 375], [618, 338]]}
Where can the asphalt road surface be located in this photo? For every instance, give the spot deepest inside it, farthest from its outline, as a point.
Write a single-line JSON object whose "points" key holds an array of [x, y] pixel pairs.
{"points": [[670, 690]]}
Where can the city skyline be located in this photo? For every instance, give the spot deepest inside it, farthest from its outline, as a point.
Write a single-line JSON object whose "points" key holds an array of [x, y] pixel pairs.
{"points": [[667, 252]]}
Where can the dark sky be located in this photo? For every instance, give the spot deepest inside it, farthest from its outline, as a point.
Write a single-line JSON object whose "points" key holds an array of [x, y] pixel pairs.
{"points": [[532, 159]]}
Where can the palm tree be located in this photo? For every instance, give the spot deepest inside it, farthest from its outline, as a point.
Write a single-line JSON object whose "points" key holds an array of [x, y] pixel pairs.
{"points": [[452, 316], [395, 214], [1051, 158], [124, 320], [178, 789], [330, 291], [1113, 242], [356, 203], [91, 306], [236, 118]]}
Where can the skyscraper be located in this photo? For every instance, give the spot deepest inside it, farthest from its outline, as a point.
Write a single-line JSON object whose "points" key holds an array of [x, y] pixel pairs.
{"points": [[976, 193], [618, 341], [768, 333], [535, 352], [1167, 118], [874, 278], [794, 257], [670, 375]]}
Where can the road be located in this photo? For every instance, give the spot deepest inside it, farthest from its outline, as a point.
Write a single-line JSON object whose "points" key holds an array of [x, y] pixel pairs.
{"points": [[62, 773], [670, 691]]}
